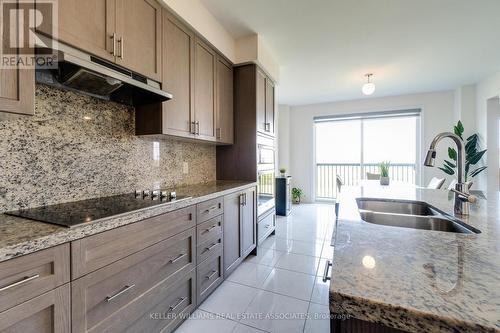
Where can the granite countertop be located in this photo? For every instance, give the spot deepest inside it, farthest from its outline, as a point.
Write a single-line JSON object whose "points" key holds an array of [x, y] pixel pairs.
{"points": [[417, 280], [19, 236]]}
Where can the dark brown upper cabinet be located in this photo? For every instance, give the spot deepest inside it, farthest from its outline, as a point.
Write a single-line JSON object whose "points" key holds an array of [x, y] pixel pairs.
{"points": [[265, 103], [178, 77], [204, 90], [138, 25], [224, 101], [127, 32], [269, 125], [261, 101], [201, 82], [17, 89]]}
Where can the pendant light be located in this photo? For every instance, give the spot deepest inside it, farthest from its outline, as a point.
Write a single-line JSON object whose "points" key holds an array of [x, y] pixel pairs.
{"points": [[369, 87]]}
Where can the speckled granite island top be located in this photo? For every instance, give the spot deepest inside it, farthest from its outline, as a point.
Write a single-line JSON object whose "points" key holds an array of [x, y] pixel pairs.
{"points": [[19, 236], [417, 280]]}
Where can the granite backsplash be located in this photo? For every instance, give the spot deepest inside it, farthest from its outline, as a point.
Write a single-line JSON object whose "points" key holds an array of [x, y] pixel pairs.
{"points": [[77, 147]]}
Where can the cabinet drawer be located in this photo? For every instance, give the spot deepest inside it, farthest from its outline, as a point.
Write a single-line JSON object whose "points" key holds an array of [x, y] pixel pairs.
{"points": [[209, 276], [208, 230], [94, 252], [209, 209], [31, 275], [209, 248], [98, 295], [266, 226], [162, 308], [47, 313]]}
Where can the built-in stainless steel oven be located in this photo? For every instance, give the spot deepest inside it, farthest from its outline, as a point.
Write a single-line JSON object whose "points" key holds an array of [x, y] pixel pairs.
{"points": [[265, 174]]}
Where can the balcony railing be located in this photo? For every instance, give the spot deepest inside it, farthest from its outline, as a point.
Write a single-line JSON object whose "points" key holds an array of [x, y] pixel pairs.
{"points": [[352, 173]]}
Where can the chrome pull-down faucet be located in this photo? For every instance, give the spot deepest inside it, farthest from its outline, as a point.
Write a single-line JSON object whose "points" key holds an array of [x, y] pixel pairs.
{"points": [[462, 195]]}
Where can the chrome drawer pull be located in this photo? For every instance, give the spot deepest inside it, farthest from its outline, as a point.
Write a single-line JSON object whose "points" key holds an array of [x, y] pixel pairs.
{"points": [[208, 229], [121, 292], [211, 247], [20, 282], [268, 226], [209, 277], [208, 210], [176, 259], [325, 273], [176, 305]]}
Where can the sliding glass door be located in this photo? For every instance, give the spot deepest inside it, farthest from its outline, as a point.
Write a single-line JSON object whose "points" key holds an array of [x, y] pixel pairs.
{"points": [[351, 146]]}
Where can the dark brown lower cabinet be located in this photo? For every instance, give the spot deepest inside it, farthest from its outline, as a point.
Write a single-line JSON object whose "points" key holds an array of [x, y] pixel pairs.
{"points": [[266, 225], [99, 297], [160, 309], [47, 313], [209, 276], [240, 237]]}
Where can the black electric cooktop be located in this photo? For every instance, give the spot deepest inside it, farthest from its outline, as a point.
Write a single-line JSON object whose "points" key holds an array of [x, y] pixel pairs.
{"points": [[77, 213]]}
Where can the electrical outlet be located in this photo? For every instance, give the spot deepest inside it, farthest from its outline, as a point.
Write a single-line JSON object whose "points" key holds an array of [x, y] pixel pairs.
{"points": [[185, 168]]}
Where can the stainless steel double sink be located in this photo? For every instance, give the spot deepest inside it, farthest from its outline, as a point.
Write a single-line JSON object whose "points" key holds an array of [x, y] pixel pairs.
{"points": [[410, 214]]}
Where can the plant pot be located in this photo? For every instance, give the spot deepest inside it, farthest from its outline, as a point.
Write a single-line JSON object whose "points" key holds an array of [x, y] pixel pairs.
{"points": [[296, 200], [283, 174], [384, 180]]}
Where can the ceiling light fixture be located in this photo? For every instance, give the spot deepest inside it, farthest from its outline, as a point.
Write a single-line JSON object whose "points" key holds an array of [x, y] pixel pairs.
{"points": [[369, 87]]}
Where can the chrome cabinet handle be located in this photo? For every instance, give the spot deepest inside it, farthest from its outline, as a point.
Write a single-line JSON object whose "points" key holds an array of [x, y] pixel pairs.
{"points": [[210, 247], [121, 41], [208, 229], [20, 282], [176, 305], [208, 210], [208, 277], [121, 292], [197, 128], [241, 199], [179, 257], [325, 273], [218, 133], [113, 38]]}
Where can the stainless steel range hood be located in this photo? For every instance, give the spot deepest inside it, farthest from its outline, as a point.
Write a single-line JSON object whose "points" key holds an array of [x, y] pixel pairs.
{"points": [[93, 76]]}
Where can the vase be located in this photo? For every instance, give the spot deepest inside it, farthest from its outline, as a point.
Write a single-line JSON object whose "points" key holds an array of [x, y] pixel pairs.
{"points": [[384, 181]]}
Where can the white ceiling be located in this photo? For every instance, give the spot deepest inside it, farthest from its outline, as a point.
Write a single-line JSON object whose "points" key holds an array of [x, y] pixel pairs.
{"points": [[324, 47]]}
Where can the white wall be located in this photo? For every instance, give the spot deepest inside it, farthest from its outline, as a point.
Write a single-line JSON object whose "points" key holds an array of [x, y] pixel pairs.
{"points": [[252, 49], [198, 16], [438, 110], [283, 136], [486, 90], [247, 49]]}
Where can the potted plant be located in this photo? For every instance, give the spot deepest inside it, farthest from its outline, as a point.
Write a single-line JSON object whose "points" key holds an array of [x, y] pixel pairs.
{"points": [[297, 194], [283, 172], [473, 155], [384, 172]]}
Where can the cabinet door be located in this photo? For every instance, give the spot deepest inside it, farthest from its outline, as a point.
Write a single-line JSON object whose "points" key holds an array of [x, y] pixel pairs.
{"points": [[204, 90], [269, 126], [47, 313], [139, 36], [232, 232], [178, 77], [88, 25], [224, 130], [248, 222], [261, 101], [17, 88]]}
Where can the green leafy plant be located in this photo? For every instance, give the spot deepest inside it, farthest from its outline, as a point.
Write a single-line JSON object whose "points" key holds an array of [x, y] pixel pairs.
{"points": [[384, 168], [283, 170], [473, 155], [297, 193]]}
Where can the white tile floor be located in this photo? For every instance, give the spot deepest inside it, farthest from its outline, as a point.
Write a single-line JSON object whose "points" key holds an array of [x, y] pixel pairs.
{"points": [[283, 281]]}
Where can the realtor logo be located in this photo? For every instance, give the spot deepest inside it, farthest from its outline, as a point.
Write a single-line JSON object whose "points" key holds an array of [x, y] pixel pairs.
{"points": [[22, 22]]}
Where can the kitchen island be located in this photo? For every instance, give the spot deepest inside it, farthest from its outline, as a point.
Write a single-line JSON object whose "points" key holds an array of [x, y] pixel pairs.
{"points": [[404, 279]]}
